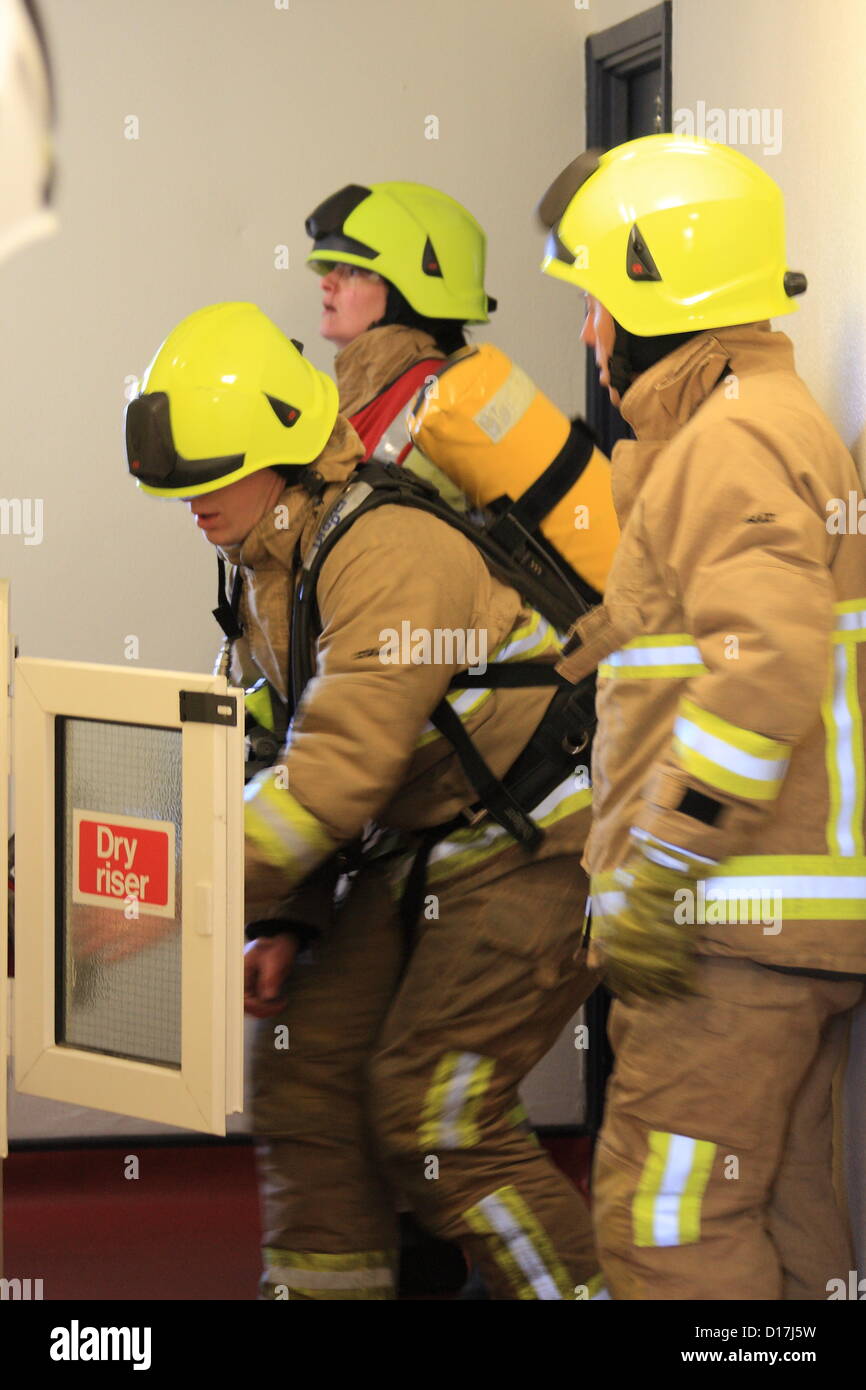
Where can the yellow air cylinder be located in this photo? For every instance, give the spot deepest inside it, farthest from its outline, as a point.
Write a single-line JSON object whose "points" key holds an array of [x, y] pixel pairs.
{"points": [[490, 429]]}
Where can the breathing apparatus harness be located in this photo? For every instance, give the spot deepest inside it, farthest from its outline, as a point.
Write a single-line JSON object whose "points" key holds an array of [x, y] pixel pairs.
{"points": [[379, 485], [515, 555]]}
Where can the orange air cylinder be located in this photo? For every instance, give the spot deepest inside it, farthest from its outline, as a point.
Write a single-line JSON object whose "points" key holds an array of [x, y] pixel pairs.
{"points": [[490, 429]]}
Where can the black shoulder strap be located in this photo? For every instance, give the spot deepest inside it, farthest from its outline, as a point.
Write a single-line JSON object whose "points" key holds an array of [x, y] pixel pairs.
{"points": [[491, 792], [226, 612], [517, 523], [533, 505], [385, 484], [519, 675], [377, 485]]}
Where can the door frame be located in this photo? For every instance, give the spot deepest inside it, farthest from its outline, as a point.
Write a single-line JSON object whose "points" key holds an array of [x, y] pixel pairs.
{"points": [[611, 58], [209, 1082], [617, 54]]}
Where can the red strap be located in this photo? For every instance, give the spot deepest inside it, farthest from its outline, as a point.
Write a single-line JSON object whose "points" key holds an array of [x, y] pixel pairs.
{"points": [[374, 419]]}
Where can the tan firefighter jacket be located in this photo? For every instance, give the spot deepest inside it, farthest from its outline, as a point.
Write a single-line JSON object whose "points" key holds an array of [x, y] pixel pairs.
{"points": [[375, 359], [406, 602], [732, 643]]}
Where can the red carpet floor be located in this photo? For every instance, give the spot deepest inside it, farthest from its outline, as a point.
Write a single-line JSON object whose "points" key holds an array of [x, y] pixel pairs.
{"points": [[186, 1228]]}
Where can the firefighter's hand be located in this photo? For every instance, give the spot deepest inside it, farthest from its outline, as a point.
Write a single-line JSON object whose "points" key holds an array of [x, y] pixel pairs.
{"points": [[647, 945], [267, 965]]}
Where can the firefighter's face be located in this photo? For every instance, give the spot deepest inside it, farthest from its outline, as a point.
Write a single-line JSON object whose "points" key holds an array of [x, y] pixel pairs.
{"points": [[352, 300], [228, 514], [599, 333]]}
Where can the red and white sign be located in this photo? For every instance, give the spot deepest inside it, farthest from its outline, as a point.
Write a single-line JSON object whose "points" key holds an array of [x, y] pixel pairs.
{"points": [[118, 858]]}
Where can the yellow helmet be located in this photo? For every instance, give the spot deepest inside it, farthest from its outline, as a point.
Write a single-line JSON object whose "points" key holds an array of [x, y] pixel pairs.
{"points": [[672, 235], [226, 394], [417, 238]]}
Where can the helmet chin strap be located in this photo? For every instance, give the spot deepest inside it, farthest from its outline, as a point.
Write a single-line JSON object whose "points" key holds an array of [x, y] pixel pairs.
{"points": [[619, 366], [633, 354]]}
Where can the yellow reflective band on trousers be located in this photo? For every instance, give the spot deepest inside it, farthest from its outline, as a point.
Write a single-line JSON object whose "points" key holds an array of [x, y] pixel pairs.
{"points": [[666, 1209], [669, 656], [520, 1246], [518, 1118], [527, 643], [518, 1115], [284, 832], [850, 620], [451, 1104], [843, 730], [362, 1274], [729, 758], [596, 1289]]}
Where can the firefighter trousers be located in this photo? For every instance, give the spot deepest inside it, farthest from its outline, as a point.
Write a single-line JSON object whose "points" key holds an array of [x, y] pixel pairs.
{"points": [[378, 1080], [713, 1173]]}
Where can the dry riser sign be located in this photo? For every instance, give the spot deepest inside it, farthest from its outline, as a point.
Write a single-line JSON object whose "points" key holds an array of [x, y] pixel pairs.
{"points": [[116, 858]]}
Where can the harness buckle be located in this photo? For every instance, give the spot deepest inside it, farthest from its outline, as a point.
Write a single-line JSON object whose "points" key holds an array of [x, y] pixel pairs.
{"points": [[572, 748]]}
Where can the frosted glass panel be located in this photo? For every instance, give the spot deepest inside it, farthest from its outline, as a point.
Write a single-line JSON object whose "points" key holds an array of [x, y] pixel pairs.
{"points": [[119, 791]]}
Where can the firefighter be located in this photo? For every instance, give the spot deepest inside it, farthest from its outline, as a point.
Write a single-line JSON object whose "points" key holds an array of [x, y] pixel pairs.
{"points": [[402, 269], [402, 1066], [727, 852], [467, 420]]}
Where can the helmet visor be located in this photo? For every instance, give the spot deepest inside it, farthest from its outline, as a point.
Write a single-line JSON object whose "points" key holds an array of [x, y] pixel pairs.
{"points": [[152, 457], [558, 196], [325, 223]]}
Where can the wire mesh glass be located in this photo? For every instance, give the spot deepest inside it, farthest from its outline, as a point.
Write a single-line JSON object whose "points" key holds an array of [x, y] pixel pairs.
{"points": [[119, 965]]}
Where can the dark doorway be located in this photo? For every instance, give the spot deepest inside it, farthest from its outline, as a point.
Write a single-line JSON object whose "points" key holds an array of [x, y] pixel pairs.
{"points": [[628, 94]]}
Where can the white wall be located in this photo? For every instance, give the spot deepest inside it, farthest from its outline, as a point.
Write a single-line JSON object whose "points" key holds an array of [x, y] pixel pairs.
{"points": [[249, 115], [779, 55]]}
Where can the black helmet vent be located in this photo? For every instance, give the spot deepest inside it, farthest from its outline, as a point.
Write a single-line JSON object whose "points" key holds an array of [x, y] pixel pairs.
{"points": [[430, 261], [639, 262], [287, 415]]}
